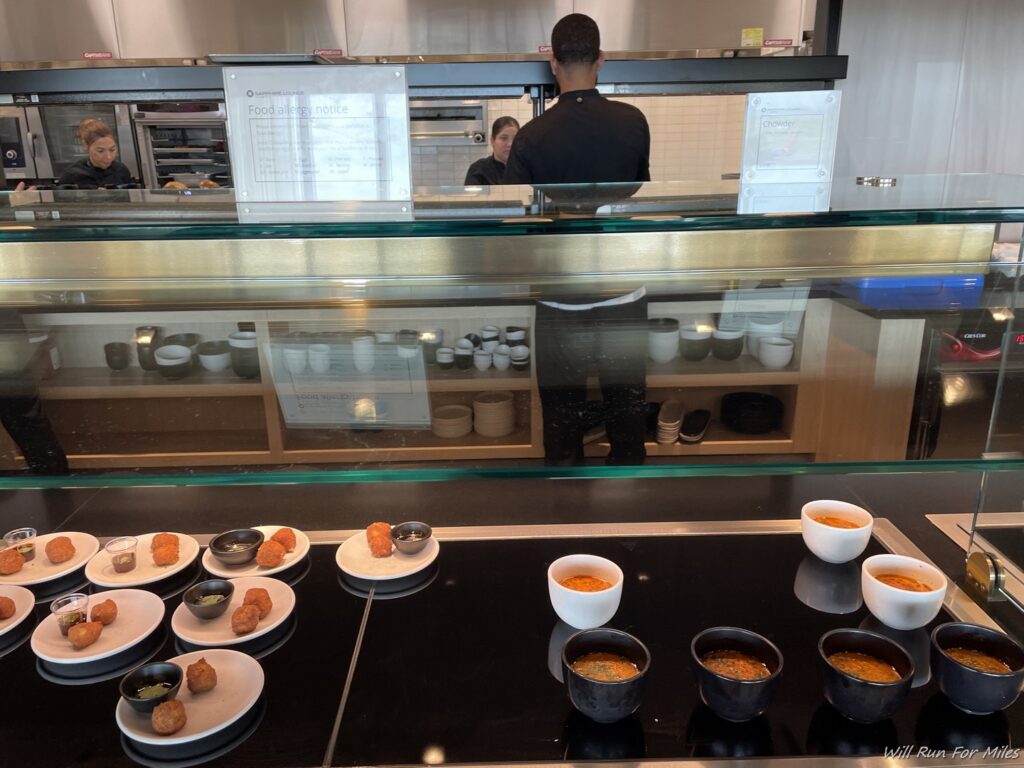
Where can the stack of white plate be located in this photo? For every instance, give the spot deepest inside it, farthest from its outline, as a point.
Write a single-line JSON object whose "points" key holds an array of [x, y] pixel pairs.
{"points": [[494, 414], [670, 419], [452, 421]]}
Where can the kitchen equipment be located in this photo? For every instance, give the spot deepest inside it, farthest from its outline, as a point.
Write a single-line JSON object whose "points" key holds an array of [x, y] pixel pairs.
{"points": [[182, 141]]}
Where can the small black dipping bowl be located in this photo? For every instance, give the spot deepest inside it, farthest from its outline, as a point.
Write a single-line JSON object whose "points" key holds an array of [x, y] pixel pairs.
{"points": [[204, 588], [969, 689], [861, 700], [150, 674], [251, 539], [410, 537], [600, 701], [729, 698]]}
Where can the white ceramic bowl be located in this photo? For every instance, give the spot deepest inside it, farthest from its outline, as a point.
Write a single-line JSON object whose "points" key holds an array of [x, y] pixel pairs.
{"points": [[242, 339], [900, 608], [584, 610], [831, 544], [172, 354], [774, 351], [218, 362]]}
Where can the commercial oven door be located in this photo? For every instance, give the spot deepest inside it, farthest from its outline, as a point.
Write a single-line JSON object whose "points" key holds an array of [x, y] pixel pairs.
{"points": [[16, 144], [64, 145]]}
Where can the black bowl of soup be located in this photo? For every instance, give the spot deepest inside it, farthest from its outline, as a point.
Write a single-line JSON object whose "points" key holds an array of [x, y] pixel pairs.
{"points": [[980, 670], [151, 684], [605, 673], [737, 671], [867, 676], [209, 599]]}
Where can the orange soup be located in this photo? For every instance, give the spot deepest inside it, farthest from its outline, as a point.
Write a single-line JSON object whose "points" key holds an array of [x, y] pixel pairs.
{"points": [[865, 667], [909, 583], [979, 660], [605, 667], [734, 664], [836, 522], [586, 583]]}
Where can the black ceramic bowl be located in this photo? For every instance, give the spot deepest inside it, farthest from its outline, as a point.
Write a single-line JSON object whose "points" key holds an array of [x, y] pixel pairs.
{"points": [[969, 689], [729, 698], [236, 547], [601, 701], [861, 700], [195, 593], [410, 537], [190, 340], [150, 674]]}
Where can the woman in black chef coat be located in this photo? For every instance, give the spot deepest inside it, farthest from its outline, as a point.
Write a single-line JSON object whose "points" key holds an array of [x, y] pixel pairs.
{"points": [[491, 170], [101, 169]]}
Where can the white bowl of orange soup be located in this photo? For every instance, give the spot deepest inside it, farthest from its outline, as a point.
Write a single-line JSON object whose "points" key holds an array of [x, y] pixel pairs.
{"points": [[902, 592], [835, 531], [585, 590]]}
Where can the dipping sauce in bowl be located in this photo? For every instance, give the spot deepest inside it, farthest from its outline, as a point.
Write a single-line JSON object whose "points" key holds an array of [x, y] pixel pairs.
{"points": [[864, 667], [979, 660], [899, 581], [835, 522], [585, 583], [605, 667], [735, 665]]}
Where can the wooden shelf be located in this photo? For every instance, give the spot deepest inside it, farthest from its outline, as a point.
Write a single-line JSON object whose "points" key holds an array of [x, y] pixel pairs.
{"points": [[103, 383], [718, 441], [454, 380], [710, 372], [394, 440], [156, 443]]}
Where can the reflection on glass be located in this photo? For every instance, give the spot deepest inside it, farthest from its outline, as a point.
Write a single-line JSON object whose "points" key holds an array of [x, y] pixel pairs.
{"points": [[830, 733], [828, 587], [710, 736], [942, 726], [586, 740]]}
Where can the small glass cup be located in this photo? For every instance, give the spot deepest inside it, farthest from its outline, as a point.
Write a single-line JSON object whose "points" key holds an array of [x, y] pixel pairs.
{"points": [[70, 610], [24, 539], [122, 553]]}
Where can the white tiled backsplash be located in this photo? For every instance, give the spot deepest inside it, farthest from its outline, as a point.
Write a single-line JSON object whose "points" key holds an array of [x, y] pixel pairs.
{"points": [[692, 137]]}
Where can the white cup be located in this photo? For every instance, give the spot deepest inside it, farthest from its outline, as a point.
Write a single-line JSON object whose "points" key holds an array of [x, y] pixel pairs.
{"points": [[501, 360], [774, 351], [490, 332], [490, 345], [172, 354], [363, 353], [482, 360], [584, 610], [320, 358], [242, 339], [515, 337], [663, 346], [384, 337], [901, 608], [295, 359], [831, 544], [760, 326]]}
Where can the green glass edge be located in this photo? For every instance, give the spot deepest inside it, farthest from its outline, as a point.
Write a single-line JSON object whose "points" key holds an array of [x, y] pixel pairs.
{"points": [[428, 475]]}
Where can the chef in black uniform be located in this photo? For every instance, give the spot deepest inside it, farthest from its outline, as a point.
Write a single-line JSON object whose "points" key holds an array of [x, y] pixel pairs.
{"points": [[101, 169], [586, 138], [491, 170]]}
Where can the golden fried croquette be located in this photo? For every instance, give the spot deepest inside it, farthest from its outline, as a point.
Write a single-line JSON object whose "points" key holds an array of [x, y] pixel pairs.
{"points": [[7, 607], [270, 554], [166, 555], [201, 676], [259, 597], [286, 538], [60, 549], [244, 619], [85, 634], [163, 540], [378, 537], [11, 561], [169, 717], [104, 612]]}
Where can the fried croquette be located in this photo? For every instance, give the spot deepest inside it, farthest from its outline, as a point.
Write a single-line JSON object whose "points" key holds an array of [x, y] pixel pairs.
{"points": [[163, 540], [169, 717], [259, 597], [7, 607], [60, 549], [285, 537], [244, 619], [166, 555], [270, 554], [378, 537], [104, 612], [85, 634], [201, 676], [11, 561]]}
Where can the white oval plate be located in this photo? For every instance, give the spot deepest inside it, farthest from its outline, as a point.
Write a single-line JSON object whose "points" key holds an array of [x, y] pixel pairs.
{"points": [[239, 684], [217, 568], [24, 602], [100, 569], [138, 613], [354, 558], [40, 569], [217, 632]]}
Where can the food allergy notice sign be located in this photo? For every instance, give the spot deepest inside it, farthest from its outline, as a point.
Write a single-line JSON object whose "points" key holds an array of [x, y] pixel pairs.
{"points": [[790, 137], [331, 137]]}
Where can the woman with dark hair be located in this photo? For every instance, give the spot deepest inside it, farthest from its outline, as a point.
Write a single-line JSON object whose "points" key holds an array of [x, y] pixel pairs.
{"points": [[100, 169], [491, 170]]}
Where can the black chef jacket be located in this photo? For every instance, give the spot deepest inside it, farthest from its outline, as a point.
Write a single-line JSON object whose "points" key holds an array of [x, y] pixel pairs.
{"points": [[486, 170], [583, 139], [88, 176]]}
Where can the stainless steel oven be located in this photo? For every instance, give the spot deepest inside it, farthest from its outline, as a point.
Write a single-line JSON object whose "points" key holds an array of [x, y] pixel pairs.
{"points": [[63, 145], [182, 141], [20, 142]]}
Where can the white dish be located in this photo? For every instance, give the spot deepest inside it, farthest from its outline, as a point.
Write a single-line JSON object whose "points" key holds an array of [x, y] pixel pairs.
{"points": [[217, 568], [835, 545], [100, 570], [239, 685], [40, 569], [900, 608], [584, 610], [354, 558], [138, 614], [216, 632], [24, 602]]}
